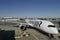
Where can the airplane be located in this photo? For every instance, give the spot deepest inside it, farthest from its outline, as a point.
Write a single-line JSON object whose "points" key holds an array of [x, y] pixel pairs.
{"points": [[43, 25]]}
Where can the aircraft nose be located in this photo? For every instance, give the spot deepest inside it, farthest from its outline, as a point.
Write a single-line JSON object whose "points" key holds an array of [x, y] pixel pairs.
{"points": [[54, 31]]}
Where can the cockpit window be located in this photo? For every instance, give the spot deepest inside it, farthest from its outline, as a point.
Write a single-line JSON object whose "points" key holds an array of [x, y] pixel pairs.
{"points": [[51, 25]]}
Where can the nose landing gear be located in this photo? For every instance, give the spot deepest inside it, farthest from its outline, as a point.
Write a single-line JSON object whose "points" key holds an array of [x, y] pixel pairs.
{"points": [[50, 36]]}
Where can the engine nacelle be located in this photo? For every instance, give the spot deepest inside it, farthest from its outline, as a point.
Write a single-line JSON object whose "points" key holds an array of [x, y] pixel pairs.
{"points": [[23, 26]]}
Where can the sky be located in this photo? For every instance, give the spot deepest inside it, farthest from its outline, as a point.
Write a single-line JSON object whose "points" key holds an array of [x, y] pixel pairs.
{"points": [[30, 8]]}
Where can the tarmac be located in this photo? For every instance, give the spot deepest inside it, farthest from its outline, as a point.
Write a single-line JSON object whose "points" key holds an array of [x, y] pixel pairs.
{"points": [[32, 33]]}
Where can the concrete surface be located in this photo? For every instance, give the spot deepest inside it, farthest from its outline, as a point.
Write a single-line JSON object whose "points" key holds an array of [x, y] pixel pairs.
{"points": [[34, 34]]}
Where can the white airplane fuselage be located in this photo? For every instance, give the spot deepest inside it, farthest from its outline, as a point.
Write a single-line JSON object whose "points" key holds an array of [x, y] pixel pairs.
{"points": [[44, 25]]}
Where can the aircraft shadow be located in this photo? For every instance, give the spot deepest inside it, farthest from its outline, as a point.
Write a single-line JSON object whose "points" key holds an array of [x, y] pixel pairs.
{"points": [[44, 33], [7, 35]]}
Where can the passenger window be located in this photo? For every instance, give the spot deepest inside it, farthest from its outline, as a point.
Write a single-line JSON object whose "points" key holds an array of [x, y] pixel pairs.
{"points": [[36, 23], [31, 22]]}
